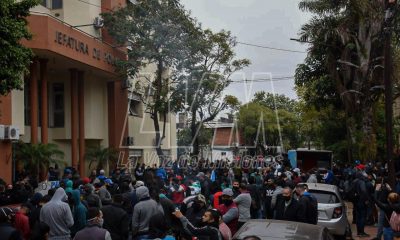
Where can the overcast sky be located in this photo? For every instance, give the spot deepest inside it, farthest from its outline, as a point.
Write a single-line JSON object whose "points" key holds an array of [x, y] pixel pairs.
{"points": [[268, 23]]}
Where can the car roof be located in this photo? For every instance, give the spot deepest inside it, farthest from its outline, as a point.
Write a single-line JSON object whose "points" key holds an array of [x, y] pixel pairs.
{"points": [[279, 230], [322, 187]]}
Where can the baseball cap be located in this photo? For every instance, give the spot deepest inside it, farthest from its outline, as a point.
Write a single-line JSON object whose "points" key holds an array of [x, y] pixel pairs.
{"points": [[200, 198], [227, 192], [200, 174], [102, 171]]}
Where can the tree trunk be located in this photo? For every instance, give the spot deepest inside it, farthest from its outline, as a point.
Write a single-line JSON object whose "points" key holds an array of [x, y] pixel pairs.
{"points": [[156, 111], [193, 132]]}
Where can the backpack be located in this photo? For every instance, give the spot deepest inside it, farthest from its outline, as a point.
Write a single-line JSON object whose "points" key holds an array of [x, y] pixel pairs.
{"points": [[351, 192], [394, 221]]}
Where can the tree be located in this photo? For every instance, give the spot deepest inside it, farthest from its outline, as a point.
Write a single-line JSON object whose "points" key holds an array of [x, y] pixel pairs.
{"points": [[260, 127], [14, 57], [158, 32], [208, 70], [344, 64], [277, 101], [101, 156], [38, 157]]}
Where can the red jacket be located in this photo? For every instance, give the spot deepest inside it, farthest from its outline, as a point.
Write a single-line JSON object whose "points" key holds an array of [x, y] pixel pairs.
{"points": [[234, 223], [22, 224]]}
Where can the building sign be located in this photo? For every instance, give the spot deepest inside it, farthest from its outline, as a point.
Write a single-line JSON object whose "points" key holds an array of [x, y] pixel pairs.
{"points": [[84, 48]]}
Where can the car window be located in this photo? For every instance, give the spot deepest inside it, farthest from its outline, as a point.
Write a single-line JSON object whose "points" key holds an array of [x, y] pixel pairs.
{"points": [[325, 197]]}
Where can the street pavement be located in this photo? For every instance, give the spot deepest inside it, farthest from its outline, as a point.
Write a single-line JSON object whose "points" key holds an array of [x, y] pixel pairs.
{"points": [[371, 230]]}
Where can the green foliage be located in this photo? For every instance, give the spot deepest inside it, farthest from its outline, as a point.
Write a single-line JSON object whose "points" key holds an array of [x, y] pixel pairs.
{"points": [[38, 157], [343, 64], [261, 123], [100, 156], [14, 58]]}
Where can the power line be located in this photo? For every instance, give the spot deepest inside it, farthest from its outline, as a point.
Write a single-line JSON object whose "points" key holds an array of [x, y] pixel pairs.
{"points": [[271, 48]]}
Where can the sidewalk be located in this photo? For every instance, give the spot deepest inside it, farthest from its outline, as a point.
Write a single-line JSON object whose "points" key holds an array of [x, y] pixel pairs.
{"points": [[371, 230]]}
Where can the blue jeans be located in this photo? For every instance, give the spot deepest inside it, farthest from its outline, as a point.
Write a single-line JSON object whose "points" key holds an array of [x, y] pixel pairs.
{"points": [[361, 216], [381, 219], [387, 233]]}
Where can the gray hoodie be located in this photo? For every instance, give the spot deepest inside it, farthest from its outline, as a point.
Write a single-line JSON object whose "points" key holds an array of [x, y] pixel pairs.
{"points": [[58, 216], [143, 211]]}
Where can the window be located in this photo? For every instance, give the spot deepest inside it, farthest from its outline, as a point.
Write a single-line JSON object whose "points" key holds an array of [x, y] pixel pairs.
{"points": [[56, 4], [135, 105], [57, 113], [43, 3], [27, 104], [325, 197]]}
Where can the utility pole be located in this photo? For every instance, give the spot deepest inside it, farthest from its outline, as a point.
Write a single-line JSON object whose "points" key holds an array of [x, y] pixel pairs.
{"points": [[389, 5]]}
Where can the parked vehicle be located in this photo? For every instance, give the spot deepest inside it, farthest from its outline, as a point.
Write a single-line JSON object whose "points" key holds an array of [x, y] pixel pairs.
{"points": [[268, 229], [331, 208]]}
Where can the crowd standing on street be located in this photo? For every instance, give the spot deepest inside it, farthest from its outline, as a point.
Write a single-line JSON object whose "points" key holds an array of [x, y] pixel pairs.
{"points": [[203, 202]]}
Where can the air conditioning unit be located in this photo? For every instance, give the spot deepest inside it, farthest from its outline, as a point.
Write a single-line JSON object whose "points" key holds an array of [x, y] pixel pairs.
{"points": [[2, 129], [98, 23], [129, 141], [11, 133]]}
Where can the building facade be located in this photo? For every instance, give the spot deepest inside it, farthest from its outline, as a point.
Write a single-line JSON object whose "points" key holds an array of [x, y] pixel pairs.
{"points": [[73, 96]]}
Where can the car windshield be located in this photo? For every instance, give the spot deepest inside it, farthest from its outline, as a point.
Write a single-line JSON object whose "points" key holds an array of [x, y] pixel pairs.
{"points": [[325, 197]]}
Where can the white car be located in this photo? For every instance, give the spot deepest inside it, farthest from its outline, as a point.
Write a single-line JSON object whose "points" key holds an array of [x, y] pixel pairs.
{"points": [[331, 209]]}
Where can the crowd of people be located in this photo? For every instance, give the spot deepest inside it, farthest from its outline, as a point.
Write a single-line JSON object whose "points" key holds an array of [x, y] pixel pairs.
{"points": [[207, 202]]}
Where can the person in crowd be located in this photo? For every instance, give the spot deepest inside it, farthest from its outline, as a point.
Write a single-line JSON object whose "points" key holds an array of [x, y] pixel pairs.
{"points": [[205, 184], [40, 231], [91, 198], [243, 202], [116, 219], [159, 228], [229, 210], [7, 230], [79, 212], [103, 192], [142, 213], [389, 207], [287, 208], [100, 178], [361, 203], [267, 192], [93, 176], [22, 220], [37, 202], [196, 211], [177, 192], [93, 230], [312, 178], [139, 171], [255, 207], [280, 184], [68, 186], [308, 205], [57, 215], [209, 231], [224, 229], [236, 188]]}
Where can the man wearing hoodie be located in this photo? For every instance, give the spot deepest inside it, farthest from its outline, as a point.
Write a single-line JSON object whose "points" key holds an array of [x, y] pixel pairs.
{"points": [[79, 213], [142, 213], [68, 186], [92, 199], [57, 214], [116, 219]]}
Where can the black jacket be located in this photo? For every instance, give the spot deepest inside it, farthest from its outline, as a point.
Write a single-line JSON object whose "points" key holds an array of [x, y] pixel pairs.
{"points": [[8, 232], [204, 233], [308, 209], [116, 221], [290, 213]]}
